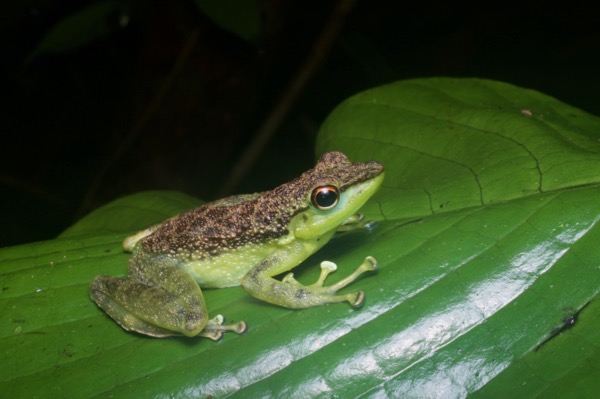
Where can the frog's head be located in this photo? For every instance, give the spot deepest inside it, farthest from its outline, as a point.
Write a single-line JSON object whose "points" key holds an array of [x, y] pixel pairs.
{"points": [[330, 193]]}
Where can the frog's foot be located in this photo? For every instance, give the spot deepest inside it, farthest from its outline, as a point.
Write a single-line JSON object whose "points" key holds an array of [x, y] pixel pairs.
{"points": [[215, 328], [356, 299], [356, 222]]}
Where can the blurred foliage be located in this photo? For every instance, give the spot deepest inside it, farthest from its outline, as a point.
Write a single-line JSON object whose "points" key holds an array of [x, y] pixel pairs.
{"points": [[83, 28], [240, 17], [105, 98]]}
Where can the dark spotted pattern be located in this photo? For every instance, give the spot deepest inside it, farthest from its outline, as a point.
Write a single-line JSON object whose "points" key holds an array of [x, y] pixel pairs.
{"points": [[230, 223]]}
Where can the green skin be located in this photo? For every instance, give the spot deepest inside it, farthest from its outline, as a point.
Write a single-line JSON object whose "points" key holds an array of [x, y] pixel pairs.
{"points": [[240, 240]]}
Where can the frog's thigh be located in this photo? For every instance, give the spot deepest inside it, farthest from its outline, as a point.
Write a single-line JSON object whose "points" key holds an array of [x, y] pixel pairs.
{"points": [[158, 298]]}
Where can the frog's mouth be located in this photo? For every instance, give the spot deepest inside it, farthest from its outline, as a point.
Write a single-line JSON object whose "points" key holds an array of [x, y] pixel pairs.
{"points": [[355, 196]]}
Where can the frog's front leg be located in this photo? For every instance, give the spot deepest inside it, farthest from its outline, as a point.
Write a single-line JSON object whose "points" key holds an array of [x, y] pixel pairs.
{"points": [[291, 294], [356, 222], [159, 299]]}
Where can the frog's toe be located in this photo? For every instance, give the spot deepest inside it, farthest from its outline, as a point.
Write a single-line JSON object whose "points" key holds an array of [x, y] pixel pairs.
{"points": [[357, 299], [239, 327], [215, 328], [215, 321], [211, 334], [368, 265]]}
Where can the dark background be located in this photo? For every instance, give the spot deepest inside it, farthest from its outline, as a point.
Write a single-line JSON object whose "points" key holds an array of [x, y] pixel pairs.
{"points": [[132, 109]]}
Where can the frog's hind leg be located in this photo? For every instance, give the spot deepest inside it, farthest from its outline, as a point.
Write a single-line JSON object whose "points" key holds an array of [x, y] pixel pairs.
{"points": [[111, 293], [158, 299]]}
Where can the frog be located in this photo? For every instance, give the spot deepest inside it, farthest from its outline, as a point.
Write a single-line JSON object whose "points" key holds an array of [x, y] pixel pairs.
{"points": [[245, 240]]}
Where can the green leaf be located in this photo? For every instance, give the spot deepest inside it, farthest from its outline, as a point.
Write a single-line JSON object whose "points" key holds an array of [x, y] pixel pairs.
{"points": [[83, 27], [132, 213], [449, 144], [481, 291], [240, 17]]}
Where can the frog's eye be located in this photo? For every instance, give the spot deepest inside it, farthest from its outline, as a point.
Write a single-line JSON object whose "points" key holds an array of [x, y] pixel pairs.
{"points": [[325, 197]]}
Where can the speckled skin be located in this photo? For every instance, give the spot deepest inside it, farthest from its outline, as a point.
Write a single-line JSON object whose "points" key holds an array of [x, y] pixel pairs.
{"points": [[244, 240], [218, 227]]}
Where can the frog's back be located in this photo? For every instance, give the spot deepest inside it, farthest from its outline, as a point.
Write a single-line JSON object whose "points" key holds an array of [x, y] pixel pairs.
{"points": [[211, 230], [224, 239]]}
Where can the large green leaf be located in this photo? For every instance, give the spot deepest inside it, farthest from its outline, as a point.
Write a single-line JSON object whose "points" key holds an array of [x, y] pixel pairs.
{"points": [[455, 143], [488, 283]]}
